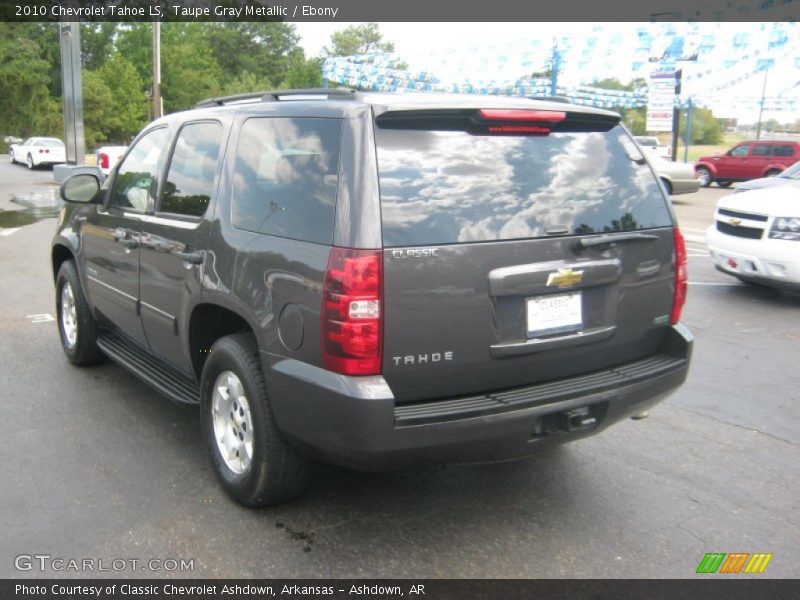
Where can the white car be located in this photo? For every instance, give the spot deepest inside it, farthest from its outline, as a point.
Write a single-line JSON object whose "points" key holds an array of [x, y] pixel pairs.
{"points": [[756, 237], [653, 146], [37, 151], [108, 157]]}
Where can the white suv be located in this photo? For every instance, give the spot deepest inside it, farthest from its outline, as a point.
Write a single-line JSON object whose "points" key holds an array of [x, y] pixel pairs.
{"points": [[756, 237]]}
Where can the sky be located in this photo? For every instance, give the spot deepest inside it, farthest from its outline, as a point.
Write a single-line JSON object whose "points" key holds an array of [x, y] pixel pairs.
{"points": [[728, 78]]}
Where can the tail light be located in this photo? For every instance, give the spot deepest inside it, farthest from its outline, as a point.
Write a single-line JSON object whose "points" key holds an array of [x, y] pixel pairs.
{"points": [[104, 160], [352, 326], [681, 277]]}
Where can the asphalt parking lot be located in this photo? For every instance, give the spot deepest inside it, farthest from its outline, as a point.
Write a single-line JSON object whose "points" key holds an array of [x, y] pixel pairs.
{"points": [[97, 465]]}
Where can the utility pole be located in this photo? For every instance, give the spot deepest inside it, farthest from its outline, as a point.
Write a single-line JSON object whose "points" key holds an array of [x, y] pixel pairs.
{"points": [[157, 108], [688, 138], [676, 115], [761, 107], [555, 66]]}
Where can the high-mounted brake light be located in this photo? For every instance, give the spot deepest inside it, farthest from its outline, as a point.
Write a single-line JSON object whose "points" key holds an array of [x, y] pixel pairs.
{"points": [[104, 160], [522, 115], [518, 129], [681, 277], [352, 324]]}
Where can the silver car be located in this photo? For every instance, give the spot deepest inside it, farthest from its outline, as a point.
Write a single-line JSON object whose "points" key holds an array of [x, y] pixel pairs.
{"points": [[790, 176], [677, 177]]}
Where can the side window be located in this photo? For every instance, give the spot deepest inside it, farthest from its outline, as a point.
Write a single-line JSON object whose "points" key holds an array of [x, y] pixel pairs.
{"points": [[188, 187], [761, 150], [739, 151], [135, 176], [286, 177], [783, 150]]}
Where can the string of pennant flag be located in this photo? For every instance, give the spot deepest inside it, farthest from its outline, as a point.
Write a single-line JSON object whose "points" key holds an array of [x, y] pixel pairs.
{"points": [[696, 48]]}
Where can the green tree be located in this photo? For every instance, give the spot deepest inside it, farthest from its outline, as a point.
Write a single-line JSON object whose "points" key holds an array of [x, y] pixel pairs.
{"points": [[634, 118], [303, 72], [705, 128], [365, 38], [129, 100], [25, 102], [97, 43], [98, 108]]}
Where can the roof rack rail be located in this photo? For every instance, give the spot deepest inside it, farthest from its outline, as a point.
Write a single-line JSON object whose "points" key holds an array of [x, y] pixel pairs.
{"points": [[275, 95]]}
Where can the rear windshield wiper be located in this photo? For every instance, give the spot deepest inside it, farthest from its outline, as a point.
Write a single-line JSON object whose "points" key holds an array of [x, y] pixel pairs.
{"points": [[613, 238]]}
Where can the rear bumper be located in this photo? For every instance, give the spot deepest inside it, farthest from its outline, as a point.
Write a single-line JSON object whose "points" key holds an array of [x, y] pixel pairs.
{"points": [[684, 186], [354, 421]]}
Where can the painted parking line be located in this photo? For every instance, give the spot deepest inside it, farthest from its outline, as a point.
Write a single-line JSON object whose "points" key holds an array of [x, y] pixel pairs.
{"points": [[715, 283], [7, 232], [695, 239], [41, 318]]}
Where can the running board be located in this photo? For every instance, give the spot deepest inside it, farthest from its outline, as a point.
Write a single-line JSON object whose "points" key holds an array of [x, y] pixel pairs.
{"points": [[175, 386]]}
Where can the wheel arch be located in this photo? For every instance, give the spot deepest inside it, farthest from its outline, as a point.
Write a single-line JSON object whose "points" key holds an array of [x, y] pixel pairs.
{"points": [[704, 165], [59, 254], [208, 323]]}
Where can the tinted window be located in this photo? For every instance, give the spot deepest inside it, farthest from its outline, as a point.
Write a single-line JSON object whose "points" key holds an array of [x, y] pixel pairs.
{"points": [[440, 187], [783, 150], [188, 188], [739, 151], [761, 150], [287, 173], [135, 176]]}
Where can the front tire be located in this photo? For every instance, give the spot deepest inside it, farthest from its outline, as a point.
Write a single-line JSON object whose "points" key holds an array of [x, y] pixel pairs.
{"points": [[29, 162], [704, 176], [772, 173], [667, 186], [11, 156], [76, 325], [253, 462]]}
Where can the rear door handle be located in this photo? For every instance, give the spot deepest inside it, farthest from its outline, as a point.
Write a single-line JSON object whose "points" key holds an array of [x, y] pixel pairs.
{"points": [[194, 258]]}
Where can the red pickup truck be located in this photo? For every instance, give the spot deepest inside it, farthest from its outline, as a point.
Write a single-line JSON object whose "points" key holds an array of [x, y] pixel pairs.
{"points": [[747, 160]]}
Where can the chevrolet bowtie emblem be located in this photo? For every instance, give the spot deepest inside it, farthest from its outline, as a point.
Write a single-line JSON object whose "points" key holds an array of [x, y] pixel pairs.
{"points": [[564, 278], [735, 222]]}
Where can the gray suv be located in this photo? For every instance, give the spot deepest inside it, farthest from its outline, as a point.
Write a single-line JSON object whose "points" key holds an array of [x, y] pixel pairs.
{"points": [[378, 279]]}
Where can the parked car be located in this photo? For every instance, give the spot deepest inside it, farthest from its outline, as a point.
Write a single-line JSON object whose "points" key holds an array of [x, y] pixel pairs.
{"points": [[747, 160], [107, 157], [756, 237], [676, 177], [790, 177], [37, 151], [378, 279], [651, 145]]}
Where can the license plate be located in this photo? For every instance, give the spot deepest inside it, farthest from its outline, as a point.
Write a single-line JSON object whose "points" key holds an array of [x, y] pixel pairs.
{"points": [[559, 313]]}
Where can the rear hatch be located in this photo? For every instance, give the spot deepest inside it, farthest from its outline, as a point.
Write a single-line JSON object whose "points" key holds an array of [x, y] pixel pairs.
{"points": [[519, 247]]}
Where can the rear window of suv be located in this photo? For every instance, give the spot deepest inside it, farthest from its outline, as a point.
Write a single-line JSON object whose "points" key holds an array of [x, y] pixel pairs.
{"points": [[447, 187], [286, 177]]}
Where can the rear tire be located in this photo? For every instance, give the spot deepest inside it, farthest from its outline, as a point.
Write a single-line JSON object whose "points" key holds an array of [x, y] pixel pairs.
{"points": [[704, 176], [76, 325], [772, 173], [724, 183], [253, 462], [667, 186]]}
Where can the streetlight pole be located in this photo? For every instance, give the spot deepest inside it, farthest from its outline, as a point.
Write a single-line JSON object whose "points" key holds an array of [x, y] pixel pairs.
{"points": [[761, 107], [156, 69]]}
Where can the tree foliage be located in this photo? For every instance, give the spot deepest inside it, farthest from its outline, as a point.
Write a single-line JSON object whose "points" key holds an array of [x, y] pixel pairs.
{"points": [[705, 128], [365, 38], [198, 60]]}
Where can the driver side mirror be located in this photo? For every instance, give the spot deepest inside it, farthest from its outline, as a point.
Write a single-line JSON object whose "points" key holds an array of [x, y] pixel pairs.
{"points": [[82, 188]]}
